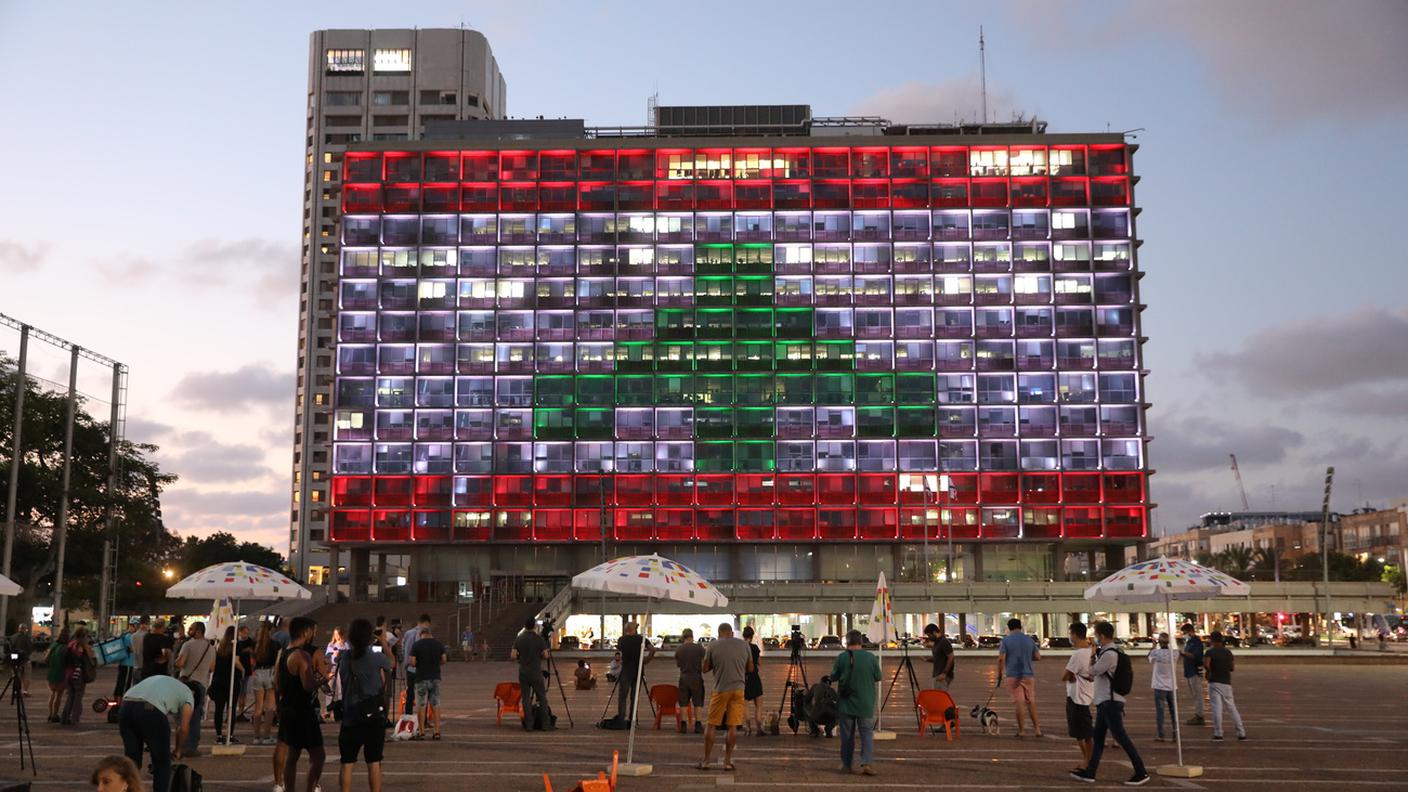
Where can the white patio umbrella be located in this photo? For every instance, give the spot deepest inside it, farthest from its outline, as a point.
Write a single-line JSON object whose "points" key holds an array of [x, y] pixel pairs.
{"points": [[236, 580], [655, 578], [1166, 580], [9, 588]]}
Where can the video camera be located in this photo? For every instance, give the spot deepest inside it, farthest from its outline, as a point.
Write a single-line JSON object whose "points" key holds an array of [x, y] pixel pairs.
{"points": [[796, 642]]}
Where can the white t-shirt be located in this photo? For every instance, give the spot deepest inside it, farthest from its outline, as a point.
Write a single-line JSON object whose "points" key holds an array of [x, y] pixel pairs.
{"points": [[1080, 690], [1162, 660]]}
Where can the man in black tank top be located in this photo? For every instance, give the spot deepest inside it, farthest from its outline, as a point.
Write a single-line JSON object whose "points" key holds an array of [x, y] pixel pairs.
{"points": [[299, 725]]}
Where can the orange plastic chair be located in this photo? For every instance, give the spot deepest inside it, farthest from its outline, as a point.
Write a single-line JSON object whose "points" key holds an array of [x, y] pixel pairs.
{"points": [[666, 699], [599, 784], [510, 699], [936, 708]]}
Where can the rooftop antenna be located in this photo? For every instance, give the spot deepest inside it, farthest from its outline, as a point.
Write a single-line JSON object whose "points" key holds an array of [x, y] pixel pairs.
{"points": [[651, 104], [983, 71]]}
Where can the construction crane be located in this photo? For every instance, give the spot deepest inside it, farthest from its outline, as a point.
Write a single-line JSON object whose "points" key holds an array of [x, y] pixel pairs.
{"points": [[1242, 488]]}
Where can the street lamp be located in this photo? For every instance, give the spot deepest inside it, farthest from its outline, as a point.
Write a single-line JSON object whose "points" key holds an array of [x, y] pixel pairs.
{"points": [[168, 573]]}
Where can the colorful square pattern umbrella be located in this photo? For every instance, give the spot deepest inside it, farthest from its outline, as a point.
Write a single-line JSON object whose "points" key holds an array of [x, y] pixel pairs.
{"points": [[1165, 580]]}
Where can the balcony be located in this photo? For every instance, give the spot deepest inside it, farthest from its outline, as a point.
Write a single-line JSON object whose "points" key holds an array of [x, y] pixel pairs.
{"points": [[1114, 329], [993, 298], [1038, 429], [1119, 428], [1076, 362], [1113, 297], [990, 233], [992, 265], [954, 364], [996, 429], [1028, 232], [1033, 298], [1032, 265], [1071, 265], [1077, 429], [954, 331], [998, 330], [1032, 362], [1034, 330], [1112, 265]]}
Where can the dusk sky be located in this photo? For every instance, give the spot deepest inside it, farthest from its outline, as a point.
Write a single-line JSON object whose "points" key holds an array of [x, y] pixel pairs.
{"points": [[154, 157]]}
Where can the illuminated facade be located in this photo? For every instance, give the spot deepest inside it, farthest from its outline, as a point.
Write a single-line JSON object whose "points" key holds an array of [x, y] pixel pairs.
{"points": [[363, 85], [757, 354]]}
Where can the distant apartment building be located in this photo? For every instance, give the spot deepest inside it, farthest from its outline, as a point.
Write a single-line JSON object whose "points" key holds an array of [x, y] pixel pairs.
{"points": [[1376, 534], [1291, 534], [363, 85]]}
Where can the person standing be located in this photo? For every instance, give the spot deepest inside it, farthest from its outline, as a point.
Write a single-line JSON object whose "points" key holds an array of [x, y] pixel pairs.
{"points": [[363, 675], [1192, 654], [408, 644], [22, 646], [730, 660], [1105, 670], [144, 628], [689, 658], [856, 672], [266, 654], [80, 658], [1219, 664], [127, 669], [1161, 680], [427, 656], [56, 663], [244, 647], [297, 683], [530, 650], [1080, 692], [156, 650], [1015, 656], [220, 680], [631, 646], [753, 682], [144, 722], [940, 656], [467, 643], [194, 663]]}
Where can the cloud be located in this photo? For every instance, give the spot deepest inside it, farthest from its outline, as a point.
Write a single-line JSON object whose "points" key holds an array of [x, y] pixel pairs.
{"points": [[228, 503], [1191, 444], [205, 459], [1361, 349], [269, 271], [141, 430], [1292, 60], [251, 386], [17, 258], [954, 99]]}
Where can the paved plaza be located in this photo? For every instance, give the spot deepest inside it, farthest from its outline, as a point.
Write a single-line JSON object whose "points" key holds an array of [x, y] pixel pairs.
{"points": [[1315, 724]]}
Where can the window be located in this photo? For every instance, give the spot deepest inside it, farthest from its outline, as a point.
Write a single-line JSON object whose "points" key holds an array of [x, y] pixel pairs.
{"points": [[385, 98], [343, 99], [388, 61], [346, 61]]}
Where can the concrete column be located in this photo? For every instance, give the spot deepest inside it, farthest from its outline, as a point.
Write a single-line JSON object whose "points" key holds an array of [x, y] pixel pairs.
{"points": [[331, 582], [976, 565], [1091, 565], [1058, 562], [413, 577]]}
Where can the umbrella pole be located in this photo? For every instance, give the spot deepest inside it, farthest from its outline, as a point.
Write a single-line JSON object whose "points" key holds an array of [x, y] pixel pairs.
{"points": [[631, 768], [1173, 674], [229, 725]]}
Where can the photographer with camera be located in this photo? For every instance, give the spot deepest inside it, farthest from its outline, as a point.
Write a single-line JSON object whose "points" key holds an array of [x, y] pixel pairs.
{"points": [[530, 650], [689, 657], [20, 647], [821, 707], [857, 673]]}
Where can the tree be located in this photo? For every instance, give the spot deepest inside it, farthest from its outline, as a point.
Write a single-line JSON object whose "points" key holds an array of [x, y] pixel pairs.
{"points": [[194, 554], [1342, 567], [135, 504], [1235, 561]]}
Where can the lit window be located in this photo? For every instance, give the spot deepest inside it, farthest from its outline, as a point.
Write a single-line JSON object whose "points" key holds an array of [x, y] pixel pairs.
{"points": [[347, 61], [391, 60]]}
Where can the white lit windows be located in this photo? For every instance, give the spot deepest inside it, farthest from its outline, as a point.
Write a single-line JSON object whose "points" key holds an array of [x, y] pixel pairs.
{"points": [[346, 61], [391, 61]]}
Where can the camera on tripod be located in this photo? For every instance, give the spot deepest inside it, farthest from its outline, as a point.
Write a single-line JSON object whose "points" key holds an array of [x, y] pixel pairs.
{"points": [[796, 642]]}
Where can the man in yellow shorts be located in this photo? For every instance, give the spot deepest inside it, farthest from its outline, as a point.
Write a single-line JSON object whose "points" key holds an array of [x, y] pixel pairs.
{"points": [[730, 659]]}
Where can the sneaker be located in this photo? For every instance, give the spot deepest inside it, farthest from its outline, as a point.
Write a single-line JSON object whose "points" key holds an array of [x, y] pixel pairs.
{"points": [[1241, 738], [1217, 738], [866, 769], [1081, 775], [1196, 720], [1139, 780], [278, 788], [846, 769], [698, 728]]}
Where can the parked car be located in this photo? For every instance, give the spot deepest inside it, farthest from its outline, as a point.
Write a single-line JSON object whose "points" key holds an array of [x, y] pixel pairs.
{"points": [[603, 643], [830, 642], [1142, 640], [969, 642], [989, 641], [771, 642], [570, 643], [1058, 642]]}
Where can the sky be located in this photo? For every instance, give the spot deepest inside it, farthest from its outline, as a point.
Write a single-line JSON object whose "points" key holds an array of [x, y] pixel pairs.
{"points": [[154, 152]]}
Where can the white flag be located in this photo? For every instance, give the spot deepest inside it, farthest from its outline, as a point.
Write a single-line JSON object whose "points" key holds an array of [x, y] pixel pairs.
{"points": [[882, 615]]}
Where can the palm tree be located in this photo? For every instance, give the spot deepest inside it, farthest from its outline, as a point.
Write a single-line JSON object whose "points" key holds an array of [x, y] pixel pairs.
{"points": [[1268, 558], [1235, 561]]}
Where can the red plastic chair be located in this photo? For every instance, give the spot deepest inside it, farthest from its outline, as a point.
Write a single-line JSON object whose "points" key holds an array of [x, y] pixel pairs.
{"points": [[936, 708], [666, 699], [509, 697], [599, 784]]}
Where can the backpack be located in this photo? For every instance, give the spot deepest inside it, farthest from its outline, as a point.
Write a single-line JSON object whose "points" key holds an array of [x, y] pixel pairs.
{"points": [[184, 779], [1122, 678]]}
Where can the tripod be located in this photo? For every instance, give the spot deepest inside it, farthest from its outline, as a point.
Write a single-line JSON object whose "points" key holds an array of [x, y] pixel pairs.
{"points": [[21, 716], [612, 695], [796, 677], [560, 689], [906, 664]]}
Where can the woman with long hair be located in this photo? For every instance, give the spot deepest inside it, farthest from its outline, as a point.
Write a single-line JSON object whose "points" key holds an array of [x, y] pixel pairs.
{"points": [[225, 657], [362, 676], [116, 774], [55, 661], [753, 683], [78, 656], [266, 653], [333, 653]]}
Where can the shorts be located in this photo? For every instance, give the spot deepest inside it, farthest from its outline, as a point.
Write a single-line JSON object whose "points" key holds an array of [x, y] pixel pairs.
{"points": [[369, 737], [691, 691], [726, 708], [1021, 689], [428, 692], [300, 729], [1079, 724], [263, 679], [942, 683]]}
